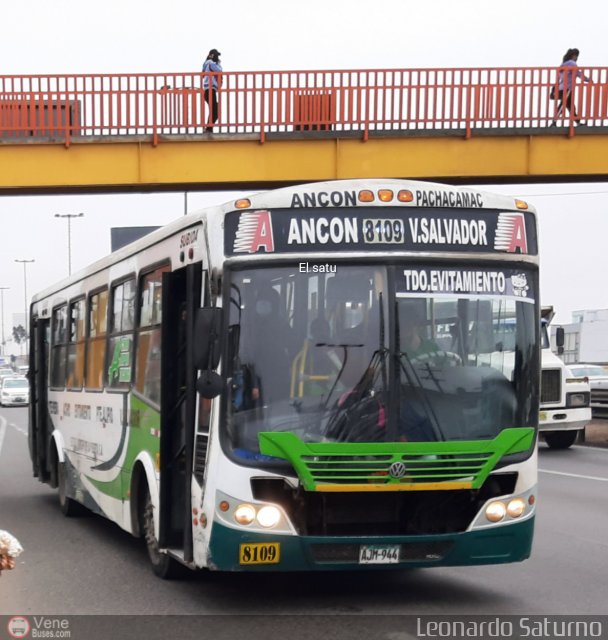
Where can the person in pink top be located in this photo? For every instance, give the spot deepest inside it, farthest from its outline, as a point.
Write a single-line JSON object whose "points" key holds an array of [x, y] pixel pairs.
{"points": [[567, 71]]}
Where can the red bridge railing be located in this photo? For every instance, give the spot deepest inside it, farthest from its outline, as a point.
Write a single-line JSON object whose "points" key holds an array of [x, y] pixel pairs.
{"points": [[466, 102]]}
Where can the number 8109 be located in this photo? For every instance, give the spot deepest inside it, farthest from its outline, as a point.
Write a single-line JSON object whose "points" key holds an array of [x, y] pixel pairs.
{"points": [[383, 231]]}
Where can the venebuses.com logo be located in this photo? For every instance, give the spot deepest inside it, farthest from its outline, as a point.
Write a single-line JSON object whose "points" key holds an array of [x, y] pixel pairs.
{"points": [[38, 627]]}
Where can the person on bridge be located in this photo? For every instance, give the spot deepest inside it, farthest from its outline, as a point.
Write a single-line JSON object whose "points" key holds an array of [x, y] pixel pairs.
{"points": [[211, 84], [565, 79]]}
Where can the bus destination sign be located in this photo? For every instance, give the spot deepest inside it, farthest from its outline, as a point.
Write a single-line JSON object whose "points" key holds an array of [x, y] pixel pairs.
{"points": [[386, 229], [471, 282]]}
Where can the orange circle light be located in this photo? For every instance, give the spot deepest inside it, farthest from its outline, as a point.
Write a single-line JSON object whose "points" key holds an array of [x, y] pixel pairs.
{"points": [[385, 195], [366, 195], [243, 203], [224, 505], [405, 195]]}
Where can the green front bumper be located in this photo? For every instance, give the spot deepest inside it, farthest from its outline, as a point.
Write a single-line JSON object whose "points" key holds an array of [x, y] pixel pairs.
{"points": [[495, 545]]}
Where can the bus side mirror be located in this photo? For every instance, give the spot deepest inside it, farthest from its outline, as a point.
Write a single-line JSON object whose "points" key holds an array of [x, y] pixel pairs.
{"points": [[209, 384], [559, 340], [207, 335]]}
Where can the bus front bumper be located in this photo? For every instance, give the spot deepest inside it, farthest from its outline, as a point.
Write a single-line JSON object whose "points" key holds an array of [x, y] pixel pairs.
{"points": [[492, 545]]}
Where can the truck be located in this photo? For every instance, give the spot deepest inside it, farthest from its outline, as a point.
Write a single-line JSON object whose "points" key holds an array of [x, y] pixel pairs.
{"points": [[565, 407]]}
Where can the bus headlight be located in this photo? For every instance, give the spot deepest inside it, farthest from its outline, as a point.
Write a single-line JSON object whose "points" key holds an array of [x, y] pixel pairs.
{"points": [[244, 514], [269, 516], [496, 511], [516, 507]]}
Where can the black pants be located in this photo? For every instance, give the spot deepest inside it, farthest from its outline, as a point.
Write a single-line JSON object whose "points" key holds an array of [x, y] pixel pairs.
{"points": [[565, 102], [211, 100]]}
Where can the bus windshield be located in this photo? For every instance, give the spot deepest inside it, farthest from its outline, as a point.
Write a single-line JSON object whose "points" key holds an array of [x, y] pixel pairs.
{"points": [[367, 353]]}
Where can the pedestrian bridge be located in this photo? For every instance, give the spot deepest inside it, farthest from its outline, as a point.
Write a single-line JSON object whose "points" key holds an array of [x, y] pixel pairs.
{"points": [[146, 132]]}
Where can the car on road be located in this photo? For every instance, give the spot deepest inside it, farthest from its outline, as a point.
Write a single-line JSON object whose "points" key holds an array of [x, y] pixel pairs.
{"points": [[14, 391], [598, 381], [6, 372]]}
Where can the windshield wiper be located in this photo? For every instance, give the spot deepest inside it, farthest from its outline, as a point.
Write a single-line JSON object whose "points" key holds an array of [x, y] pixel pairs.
{"points": [[416, 384], [345, 347]]}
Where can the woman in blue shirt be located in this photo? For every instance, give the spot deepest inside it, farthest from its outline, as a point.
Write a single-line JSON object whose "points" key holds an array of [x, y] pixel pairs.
{"points": [[212, 66], [565, 80]]}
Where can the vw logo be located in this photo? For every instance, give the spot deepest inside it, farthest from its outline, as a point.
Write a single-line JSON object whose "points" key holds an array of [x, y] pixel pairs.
{"points": [[397, 470]]}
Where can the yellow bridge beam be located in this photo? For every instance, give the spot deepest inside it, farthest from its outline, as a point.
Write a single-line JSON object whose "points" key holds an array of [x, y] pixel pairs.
{"points": [[234, 162]]}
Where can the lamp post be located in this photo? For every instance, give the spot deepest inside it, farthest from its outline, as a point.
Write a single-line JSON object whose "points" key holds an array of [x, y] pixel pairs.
{"points": [[25, 263], [69, 217], [2, 290]]}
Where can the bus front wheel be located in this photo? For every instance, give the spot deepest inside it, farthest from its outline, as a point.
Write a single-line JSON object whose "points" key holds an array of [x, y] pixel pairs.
{"points": [[163, 565], [560, 439]]}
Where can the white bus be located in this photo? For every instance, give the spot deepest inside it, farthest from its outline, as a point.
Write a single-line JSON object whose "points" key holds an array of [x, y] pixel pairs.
{"points": [[310, 378]]}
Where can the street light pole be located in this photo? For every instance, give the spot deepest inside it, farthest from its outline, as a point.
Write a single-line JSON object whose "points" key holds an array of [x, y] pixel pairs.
{"points": [[69, 217], [2, 290], [25, 263]]}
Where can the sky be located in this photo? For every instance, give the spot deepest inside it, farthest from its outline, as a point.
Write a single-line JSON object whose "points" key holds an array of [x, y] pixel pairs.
{"points": [[135, 36]]}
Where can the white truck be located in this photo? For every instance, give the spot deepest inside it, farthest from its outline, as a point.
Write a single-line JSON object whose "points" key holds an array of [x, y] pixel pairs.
{"points": [[564, 400]]}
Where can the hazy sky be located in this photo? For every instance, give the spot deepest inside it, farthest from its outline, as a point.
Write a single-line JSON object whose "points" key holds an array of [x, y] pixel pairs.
{"points": [[65, 36]]}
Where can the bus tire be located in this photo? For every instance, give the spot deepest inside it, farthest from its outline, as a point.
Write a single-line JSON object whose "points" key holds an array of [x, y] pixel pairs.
{"points": [[560, 439], [69, 507], [163, 565]]}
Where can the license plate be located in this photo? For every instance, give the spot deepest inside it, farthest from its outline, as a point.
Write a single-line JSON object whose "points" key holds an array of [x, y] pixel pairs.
{"points": [[376, 554], [19, 399], [260, 553]]}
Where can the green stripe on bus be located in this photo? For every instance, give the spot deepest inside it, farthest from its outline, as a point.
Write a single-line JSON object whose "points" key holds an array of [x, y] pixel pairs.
{"points": [[143, 434]]}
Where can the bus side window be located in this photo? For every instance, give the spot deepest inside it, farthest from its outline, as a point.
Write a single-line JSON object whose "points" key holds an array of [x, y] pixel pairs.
{"points": [[120, 351], [96, 344], [147, 370], [59, 347], [76, 346]]}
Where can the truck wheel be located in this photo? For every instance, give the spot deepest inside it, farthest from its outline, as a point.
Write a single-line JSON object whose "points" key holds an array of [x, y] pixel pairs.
{"points": [[560, 439], [163, 565]]}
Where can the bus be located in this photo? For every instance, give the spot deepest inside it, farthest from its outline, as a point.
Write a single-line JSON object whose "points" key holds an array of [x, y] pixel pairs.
{"points": [[310, 378]]}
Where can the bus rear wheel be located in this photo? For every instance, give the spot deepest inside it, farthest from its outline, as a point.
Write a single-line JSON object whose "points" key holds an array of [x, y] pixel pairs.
{"points": [[163, 565], [560, 439], [69, 507]]}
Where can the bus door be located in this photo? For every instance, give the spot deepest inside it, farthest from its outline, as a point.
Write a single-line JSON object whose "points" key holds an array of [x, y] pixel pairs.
{"points": [[181, 297], [40, 423]]}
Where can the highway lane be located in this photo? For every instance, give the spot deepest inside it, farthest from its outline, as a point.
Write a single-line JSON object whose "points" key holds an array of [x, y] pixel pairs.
{"points": [[88, 565]]}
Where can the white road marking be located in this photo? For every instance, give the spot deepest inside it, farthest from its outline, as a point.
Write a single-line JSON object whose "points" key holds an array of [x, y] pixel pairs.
{"points": [[2, 431], [18, 428], [573, 475]]}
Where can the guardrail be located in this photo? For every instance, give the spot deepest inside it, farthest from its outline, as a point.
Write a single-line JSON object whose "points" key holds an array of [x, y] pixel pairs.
{"points": [[59, 108]]}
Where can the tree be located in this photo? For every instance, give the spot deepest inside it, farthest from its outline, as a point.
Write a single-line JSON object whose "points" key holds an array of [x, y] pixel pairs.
{"points": [[19, 334]]}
